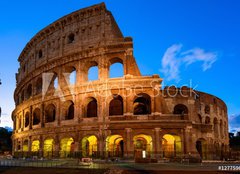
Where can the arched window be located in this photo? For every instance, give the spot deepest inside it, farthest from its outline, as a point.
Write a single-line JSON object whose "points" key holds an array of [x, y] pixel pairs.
{"points": [[93, 73], [142, 105], [116, 106], [215, 127], [73, 77], [92, 108], [29, 91], [71, 38], [207, 120], [207, 109], [50, 113], [199, 118], [40, 54], [116, 68], [70, 75], [180, 109], [23, 95], [69, 110], [36, 116], [39, 86], [27, 117]]}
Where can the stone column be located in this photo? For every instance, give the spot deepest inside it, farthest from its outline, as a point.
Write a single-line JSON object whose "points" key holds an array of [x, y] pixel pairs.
{"points": [[30, 145], [42, 116], [41, 146], [129, 143], [157, 141], [30, 118]]}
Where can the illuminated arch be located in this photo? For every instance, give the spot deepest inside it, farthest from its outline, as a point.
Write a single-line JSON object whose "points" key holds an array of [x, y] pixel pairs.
{"points": [[171, 145], [142, 143], [25, 146], [66, 147], [48, 147], [89, 146], [35, 146], [114, 146]]}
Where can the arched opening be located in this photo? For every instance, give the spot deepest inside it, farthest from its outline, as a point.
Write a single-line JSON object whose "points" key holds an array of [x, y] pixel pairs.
{"points": [[215, 127], [89, 146], [19, 122], [114, 146], [40, 54], [116, 68], [27, 117], [66, 147], [48, 148], [39, 86], [92, 108], [35, 146], [221, 129], [142, 105], [36, 116], [71, 38], [22, 96], [70, 75], [207, 109], [25, 146], [201, 146], [199, 118], [68, 110], [180, 109], [29, 91], [142, 146], [93, 71], [171, 145], [50, 113], [207, 120], [116, 106]]}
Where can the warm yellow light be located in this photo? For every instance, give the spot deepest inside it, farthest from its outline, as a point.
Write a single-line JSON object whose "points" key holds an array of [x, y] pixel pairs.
{"points": [[89, 145], [35, 146], [65, 145], [172, 145], [112, 143], [141, 137], [48, 147]]}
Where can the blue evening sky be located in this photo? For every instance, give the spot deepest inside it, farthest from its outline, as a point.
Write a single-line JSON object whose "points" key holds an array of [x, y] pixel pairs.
{"points": [[207, 31]]}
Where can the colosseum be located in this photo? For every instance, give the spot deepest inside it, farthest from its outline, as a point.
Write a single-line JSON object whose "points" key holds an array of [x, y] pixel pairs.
{"points": [[61, 112]]}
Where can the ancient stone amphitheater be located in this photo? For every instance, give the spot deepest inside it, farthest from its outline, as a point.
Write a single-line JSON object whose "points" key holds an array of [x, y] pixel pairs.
{"points": [[62, 112]]}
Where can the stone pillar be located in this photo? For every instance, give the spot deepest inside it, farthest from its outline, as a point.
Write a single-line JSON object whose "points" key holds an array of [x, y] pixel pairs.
{"points": [[41, 146], [56, 148], [42, 116], [129, 143], [30, 145], [187, 140], [157, 141], [30, 118]]}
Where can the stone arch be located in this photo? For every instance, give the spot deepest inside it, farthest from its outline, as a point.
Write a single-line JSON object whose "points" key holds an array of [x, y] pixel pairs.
{"points": [[180, 109], [207, 109], [171, 145], [22, 95], [27, 119], [68, 110], [92, 70], [142, 145], [70, 75], [70, 38], [89, 146], [215, 127], [91, 107], [35, 146], [40, 54], [142, 104], [25, 145], [29, 91], [50, 113], [53, 79], [39, 85], [36, 116], [66, 147], [115, 146], [199, 118], [118, 62], [207, 120], [116, 106], [48, 147], [201, 146]]}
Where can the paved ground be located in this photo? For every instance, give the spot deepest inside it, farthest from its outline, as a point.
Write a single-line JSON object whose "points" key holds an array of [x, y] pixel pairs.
{"points": [[100, 167]]}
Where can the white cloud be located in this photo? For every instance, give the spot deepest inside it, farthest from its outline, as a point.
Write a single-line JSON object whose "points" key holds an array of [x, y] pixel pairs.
{"points": [[174, 58]]}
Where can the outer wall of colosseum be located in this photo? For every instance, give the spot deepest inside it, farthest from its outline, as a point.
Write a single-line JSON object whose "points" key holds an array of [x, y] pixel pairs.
{"points": [[61, 112]]}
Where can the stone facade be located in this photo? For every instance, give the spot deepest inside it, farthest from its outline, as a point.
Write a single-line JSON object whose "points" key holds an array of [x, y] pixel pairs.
{"points": [[126, 116]]}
